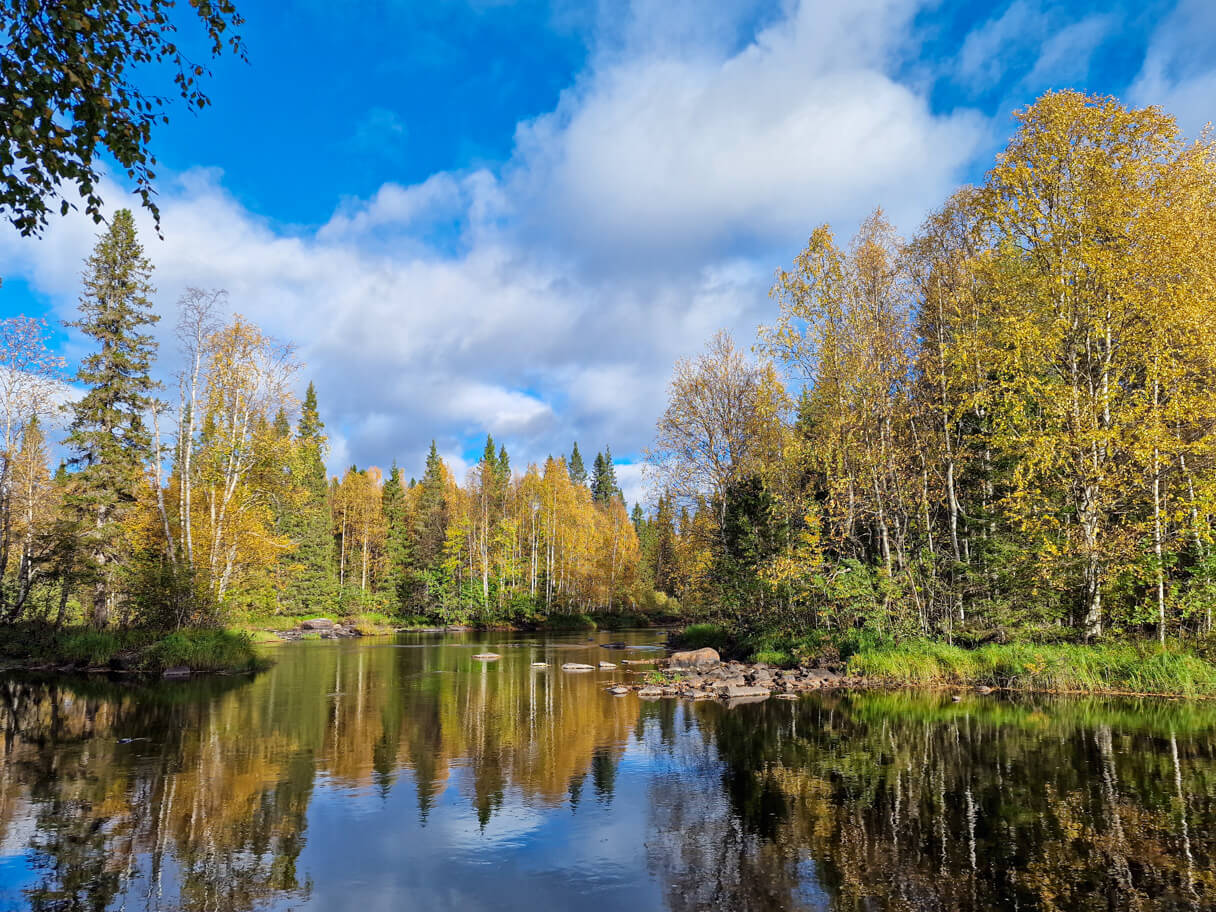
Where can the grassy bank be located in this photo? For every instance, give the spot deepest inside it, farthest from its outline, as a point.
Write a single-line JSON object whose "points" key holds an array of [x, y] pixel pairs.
{"points": [[1135, 667], [144, 651], [1102, 668]]}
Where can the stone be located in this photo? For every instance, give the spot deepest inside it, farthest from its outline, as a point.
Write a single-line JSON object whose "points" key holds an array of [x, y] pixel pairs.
{"points": [[983, 689], [540, 664], [487, 656], [607, 665], [637, 661], [699, 659], [577, 666], [650, 692], [786, 696], [176, 671], [619, 690], [317, 624], [734, 691]]}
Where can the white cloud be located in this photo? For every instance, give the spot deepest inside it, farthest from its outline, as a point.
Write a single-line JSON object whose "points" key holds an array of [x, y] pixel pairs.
{"points": [[547, 302], [1179, 71]]}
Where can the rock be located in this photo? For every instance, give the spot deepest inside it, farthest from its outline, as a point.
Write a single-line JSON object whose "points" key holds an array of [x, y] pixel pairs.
{"points": [[734, 691], [698, 694], [607, 665], [317, 624], [577, 666], [614, 645], [619, 690], [176, 671], [637, 661], [983, 689], [786, 696], [650, 692], [487, 656], [540, 664], [699, 659], [956, 699]]}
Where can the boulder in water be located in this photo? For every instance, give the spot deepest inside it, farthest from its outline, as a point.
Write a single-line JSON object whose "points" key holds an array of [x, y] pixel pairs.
{"points": [[698, 659]]}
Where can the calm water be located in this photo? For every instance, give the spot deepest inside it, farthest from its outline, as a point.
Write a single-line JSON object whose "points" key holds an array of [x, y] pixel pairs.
{"points": [[402, 774]]}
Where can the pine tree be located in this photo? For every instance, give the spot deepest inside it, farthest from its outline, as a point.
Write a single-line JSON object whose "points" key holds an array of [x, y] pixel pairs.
{"points": [[313, 585], [578, 471], [108, 437]]}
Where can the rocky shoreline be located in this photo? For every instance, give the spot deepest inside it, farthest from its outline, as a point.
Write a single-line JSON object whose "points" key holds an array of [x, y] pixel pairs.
{"points": [[702, 675]]}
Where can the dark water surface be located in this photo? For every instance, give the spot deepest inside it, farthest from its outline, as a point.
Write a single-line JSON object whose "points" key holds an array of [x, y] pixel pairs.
{"points": [[403, 774]]}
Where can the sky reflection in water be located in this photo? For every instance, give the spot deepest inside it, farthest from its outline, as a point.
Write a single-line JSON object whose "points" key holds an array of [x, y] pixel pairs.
{"points": [[360, 776]]}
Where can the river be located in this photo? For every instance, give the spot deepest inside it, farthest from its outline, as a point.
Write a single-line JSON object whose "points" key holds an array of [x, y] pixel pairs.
{"points": [[402, 773]]}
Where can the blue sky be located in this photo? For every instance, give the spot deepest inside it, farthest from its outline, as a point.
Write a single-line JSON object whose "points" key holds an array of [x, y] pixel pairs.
{"points": [[484, 215]]}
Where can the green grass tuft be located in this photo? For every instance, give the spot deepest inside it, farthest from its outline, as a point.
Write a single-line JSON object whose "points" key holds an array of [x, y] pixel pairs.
{"points": [[1129, 667]]}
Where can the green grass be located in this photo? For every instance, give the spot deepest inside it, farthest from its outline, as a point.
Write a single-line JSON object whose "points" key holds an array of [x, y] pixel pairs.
{"points": [[136, 650], [1107, 667], [203, 650]]}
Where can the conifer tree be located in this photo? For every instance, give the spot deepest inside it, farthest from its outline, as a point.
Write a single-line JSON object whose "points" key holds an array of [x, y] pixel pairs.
{"points": [[603, 479], [574, 465], [109, 440], [430, 524], [314, 586], [398, 546]]}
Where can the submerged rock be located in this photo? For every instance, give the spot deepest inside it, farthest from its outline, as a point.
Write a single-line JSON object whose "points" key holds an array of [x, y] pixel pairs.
{"points": [[607, 665], [540, 664], [619, 690], [177, 671], [487, 656], [577, 666]]}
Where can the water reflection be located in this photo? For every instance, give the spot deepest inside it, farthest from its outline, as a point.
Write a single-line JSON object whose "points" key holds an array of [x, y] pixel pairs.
{"points": [[381, 773]]}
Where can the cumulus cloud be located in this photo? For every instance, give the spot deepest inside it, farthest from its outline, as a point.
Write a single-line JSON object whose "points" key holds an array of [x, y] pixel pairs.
{"points": [[545, 300], [1179, 71]]}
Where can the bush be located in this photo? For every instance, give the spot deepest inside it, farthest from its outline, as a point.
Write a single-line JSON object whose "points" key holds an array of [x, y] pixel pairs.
{"points": [[700, 636], [569, 622]]}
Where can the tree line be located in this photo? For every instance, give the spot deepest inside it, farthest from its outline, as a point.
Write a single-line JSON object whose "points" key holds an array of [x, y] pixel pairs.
{"points": [[1005, 423], [182, 510]]}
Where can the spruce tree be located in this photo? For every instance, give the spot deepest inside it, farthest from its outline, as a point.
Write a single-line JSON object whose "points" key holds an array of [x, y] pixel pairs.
{"points": [[430, 526], [313, 586], [603, 479], [397, 543], [575, 467], [108, 437]]}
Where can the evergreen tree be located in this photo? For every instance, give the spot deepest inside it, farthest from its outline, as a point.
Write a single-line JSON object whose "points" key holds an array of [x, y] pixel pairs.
{"points": [[578, 471], [430, 527], [313, 584], [638, 518], [603, 479], [108, 438], [504, 464], [399, 547]]}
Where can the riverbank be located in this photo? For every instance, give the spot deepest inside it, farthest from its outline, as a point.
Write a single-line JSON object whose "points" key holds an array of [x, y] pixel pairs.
{"points": [[139, 652], [1127, 667], [337, 625]]}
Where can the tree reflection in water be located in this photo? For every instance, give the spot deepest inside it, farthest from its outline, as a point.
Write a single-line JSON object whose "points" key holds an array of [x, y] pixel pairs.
{"points": [[197, 796]]}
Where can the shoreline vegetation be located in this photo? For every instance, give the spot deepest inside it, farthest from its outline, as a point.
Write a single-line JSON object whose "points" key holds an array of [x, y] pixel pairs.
{"points": [[983, 456], [1131, 668]]}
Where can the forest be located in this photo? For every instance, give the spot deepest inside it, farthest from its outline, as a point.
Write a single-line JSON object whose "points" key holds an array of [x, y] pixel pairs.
{"points": [[213, 506], [1002, 427]]}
